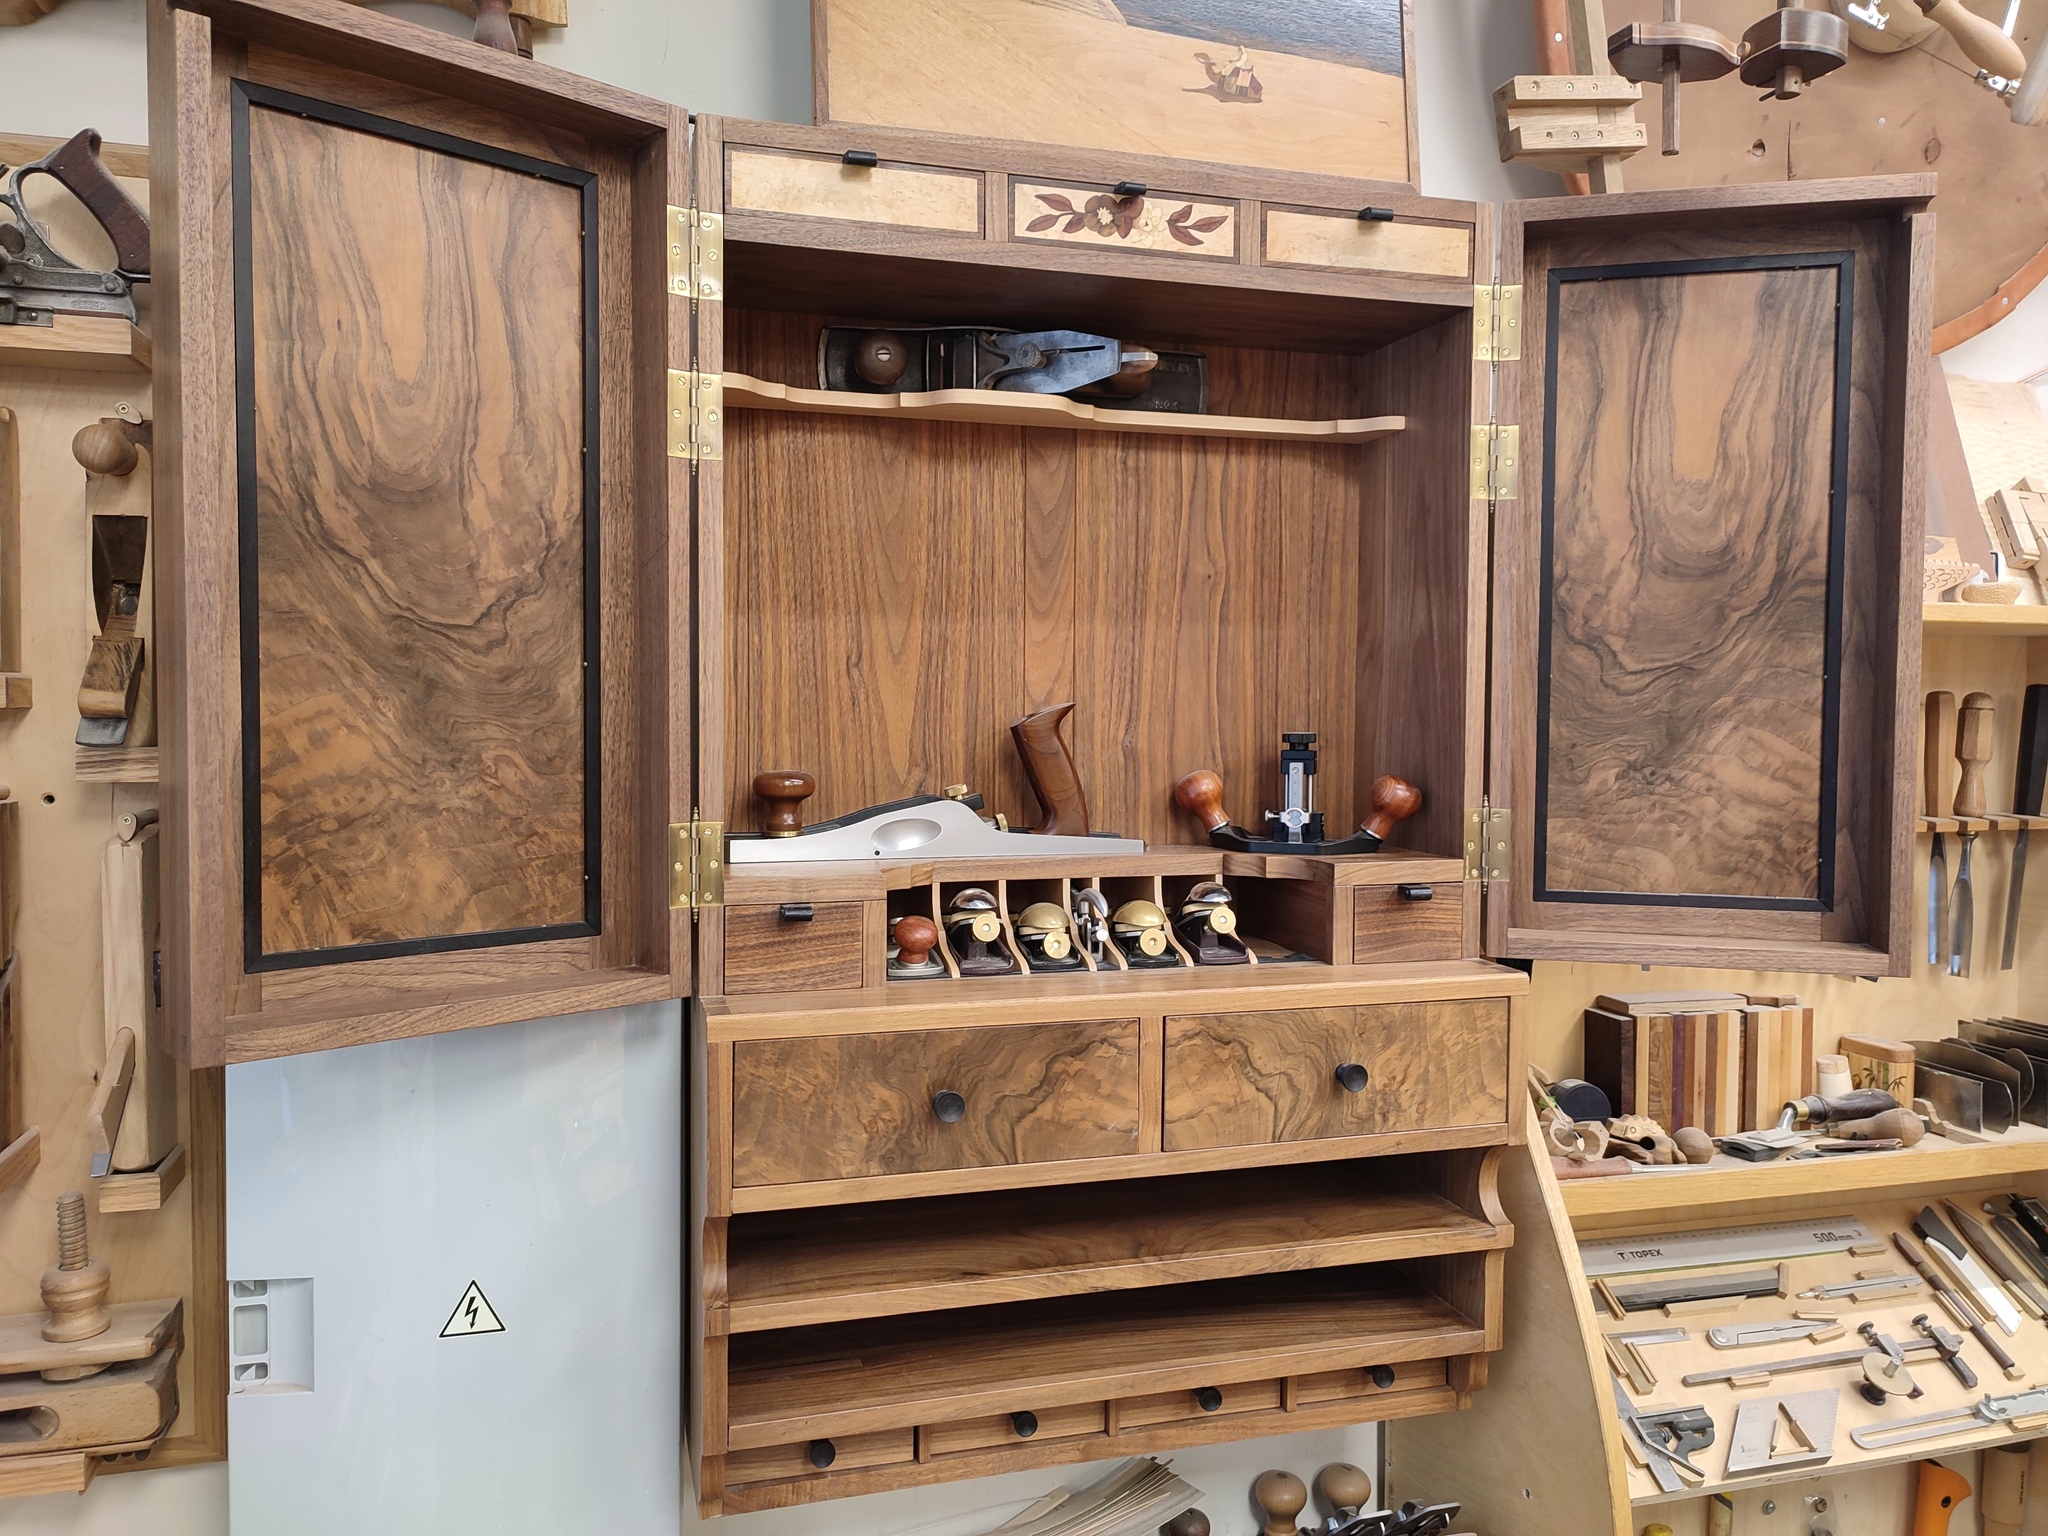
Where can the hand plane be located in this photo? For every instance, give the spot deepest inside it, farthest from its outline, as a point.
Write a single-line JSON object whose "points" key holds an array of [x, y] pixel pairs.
{"points": [[921, 827], [36, 282], [1297, 827], [912, 360]]}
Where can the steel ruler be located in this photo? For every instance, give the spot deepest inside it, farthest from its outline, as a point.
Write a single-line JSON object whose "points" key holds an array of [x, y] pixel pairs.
{"points": [[1722, 1245]]}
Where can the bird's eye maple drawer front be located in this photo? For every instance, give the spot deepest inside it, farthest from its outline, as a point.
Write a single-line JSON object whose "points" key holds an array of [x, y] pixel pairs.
{"points": [[866, 1106], [933, 197], [773, 949], [1412, 921], [1326, 237], [1251, 1079]]}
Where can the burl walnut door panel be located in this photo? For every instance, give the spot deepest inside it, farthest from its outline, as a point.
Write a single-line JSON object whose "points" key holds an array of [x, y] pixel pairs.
{"points": [[1253, 1079], [864, 1106], [417, 631]]}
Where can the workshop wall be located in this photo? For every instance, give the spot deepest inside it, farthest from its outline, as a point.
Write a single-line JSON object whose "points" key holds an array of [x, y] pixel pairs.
{"points": [[84, 65]]}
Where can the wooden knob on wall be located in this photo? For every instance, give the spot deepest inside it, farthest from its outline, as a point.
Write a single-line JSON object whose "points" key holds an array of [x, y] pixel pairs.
{"points": [[102, 448], [1200, 794], [1393, 800], [915, 939], [1280, 1497], [1340, 1485], [784, 790]]}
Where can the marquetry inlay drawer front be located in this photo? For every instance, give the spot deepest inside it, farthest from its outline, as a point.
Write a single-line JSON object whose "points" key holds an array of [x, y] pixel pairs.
{"points": [[774, 949], [824, 187], [924, 1101], [1157, 223], [807, 1458], [1318, 237], [1253, 1079], [1411, 921]]}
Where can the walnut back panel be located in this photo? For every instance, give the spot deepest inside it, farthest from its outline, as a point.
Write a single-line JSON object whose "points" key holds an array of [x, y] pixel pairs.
{"points": [[420, 532]]}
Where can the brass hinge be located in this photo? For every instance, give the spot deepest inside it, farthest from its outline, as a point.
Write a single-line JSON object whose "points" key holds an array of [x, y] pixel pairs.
{"points": [[1497, 322], [1488, 832], [1496, 462], [696, 864], [696, 254], [696, 415]]}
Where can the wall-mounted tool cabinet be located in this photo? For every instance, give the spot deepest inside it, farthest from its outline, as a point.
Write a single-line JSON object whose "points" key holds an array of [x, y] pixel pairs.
{"points": [[493, 606]]}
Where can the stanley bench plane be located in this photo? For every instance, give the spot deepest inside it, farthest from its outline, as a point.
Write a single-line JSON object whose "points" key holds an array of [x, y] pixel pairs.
{"points": [[921, 827], [36, 282]]}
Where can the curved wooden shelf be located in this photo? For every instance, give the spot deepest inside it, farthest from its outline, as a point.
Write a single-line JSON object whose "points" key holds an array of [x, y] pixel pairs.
{"points": [[744, 392], [1984, 618]]}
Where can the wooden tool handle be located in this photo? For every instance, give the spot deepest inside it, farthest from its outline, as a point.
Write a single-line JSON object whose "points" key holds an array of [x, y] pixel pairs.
{"points": [[1200, 794], [1935, 1500], [784, 791], [1973, 750], [1340, 1485], [107, 447], [1934, 759], [2002, 1490], [1189, 1523], [79, 170], [494, 26], [1050, 768], [1981, 41], [915, 939], [1280, 1497], [1393, 800]]}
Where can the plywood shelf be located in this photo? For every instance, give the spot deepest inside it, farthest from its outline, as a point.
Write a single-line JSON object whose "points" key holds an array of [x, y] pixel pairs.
{"points": [[1001, 408], [806, 1383], [1984, 619], [77, 343], [822, 1266]]}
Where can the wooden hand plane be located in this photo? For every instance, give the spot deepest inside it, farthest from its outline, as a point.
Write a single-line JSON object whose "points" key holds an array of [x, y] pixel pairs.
{"points": [[36, 281], [921, 827]]}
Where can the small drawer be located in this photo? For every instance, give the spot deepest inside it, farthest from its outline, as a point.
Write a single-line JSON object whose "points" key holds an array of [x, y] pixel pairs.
{"points": [[825, 187], [1217, 1402], [1323, 237], [1413, 921], [1032, 1426], [1156, 223], [770, 950], [1343, 1386], [866, 1106], [843, 1453], [1254, 1079]]}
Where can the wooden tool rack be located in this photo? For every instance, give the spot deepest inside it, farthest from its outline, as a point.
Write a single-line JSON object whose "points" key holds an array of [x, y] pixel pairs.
{"points": [[1095, 1255]]}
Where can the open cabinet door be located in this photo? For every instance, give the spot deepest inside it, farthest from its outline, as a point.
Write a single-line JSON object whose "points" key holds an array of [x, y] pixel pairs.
{"points": [[424, 572], [1706, 643]]}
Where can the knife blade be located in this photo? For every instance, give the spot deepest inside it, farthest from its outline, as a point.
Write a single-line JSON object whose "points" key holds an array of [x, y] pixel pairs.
{"points": [[1992, 1252], [1974, 726], [1948, 1249], [2030, 773], [2016, 1239], [1940, 730]]}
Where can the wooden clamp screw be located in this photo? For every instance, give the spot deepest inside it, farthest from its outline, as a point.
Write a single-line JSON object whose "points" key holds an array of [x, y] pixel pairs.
{"points": [[75, 1290]]}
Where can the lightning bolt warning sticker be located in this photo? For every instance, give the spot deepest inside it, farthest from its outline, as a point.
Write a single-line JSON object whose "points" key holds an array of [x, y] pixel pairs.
{"points": [[472, 1314]]}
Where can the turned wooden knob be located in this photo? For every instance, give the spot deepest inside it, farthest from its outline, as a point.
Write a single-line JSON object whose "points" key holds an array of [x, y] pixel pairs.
{"points": [[784, 790], [1392, 800], [103, 448], [494, 26], [1280, 1497], [1200, 794], [1340, 1485], [1190, 1522], [916, 937], [75, 1290]]}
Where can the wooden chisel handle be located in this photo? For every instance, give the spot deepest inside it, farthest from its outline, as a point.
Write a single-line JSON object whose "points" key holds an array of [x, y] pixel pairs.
{"points": [[1934, 760], [1973, 750]]}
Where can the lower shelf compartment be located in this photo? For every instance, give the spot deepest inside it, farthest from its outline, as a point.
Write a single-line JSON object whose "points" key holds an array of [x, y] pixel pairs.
{"points": [[808, 1383]]}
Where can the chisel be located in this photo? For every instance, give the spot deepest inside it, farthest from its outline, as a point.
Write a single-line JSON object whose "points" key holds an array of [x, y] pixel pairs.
{"points": [[1957, 1306], [1940, 731], [2030, 771], [2017, 1281], [1981, 1288], [1973, 750]]}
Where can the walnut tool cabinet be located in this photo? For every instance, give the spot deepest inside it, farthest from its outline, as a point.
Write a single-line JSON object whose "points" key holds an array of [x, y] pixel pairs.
{"points": [[1596, 521]]}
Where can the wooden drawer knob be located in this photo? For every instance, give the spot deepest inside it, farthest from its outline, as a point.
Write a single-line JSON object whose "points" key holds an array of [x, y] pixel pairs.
{"points": [[1352, 1078], [948, 1105], [915, 939], [1026, 1424], [784, 791], [823, 1454], [1208, 1399]]}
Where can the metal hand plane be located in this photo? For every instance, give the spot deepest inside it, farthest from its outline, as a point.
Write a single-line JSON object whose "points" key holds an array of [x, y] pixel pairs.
{"points": [[36, 281], [922, 827]]}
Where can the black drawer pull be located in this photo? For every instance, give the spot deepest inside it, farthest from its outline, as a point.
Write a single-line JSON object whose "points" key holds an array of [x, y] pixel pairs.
{"points": [[823, 1454], [1375, 215], [1208, 1399], [1382, 1376], [1026, 1424], [1352, 1078], [1417, 892], [865, 158], [1129, 189], [948, 1105], [798, 911]]}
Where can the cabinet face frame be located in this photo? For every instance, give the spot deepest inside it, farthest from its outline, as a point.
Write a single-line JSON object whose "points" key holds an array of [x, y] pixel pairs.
{"points": [[441, 96], [1876, 236]]}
